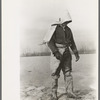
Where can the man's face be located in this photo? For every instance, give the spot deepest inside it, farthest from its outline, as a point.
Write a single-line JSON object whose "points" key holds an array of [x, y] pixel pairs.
{"points": [[64, 24]]}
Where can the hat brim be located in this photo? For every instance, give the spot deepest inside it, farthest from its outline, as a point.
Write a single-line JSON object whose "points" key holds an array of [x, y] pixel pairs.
{"points": [[67, 22]]}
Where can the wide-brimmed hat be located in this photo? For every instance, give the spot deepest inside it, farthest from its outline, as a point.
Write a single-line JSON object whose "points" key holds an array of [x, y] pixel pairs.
{"points": [[62, 18]]}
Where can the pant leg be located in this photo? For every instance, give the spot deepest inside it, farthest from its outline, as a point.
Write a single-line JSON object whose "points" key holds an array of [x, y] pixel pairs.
{"points": [[55, 72], [67, 68], [54, 64]]}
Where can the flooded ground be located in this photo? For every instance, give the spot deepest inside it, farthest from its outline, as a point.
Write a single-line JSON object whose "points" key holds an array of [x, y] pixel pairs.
{"points": [[35, 78]]}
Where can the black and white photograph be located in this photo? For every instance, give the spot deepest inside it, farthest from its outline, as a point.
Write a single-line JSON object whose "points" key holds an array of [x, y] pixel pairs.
{"points": [[58, 49]]}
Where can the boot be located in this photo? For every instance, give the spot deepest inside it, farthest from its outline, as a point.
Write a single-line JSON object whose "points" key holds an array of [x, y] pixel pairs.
{"points": [[54, 95], [54, 89], [69, 85]]}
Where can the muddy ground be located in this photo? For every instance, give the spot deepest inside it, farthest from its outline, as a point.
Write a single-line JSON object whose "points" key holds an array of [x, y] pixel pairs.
{"points": [[35, 78]]}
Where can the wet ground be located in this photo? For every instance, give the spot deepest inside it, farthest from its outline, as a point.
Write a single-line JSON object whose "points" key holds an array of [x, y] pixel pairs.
{"points": [[35, 78]]}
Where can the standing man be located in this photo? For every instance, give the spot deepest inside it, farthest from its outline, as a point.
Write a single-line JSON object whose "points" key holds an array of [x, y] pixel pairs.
{"points": [[59, 40]]}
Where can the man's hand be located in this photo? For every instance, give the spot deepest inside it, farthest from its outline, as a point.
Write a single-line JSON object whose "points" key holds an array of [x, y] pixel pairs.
{"points": [[77, 58], [58, 55]]}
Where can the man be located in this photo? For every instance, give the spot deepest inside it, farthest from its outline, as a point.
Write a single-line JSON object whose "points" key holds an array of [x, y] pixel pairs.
{"points": [[59, 41]]}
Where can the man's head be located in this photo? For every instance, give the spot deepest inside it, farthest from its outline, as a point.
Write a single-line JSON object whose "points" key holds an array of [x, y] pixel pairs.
{"points": [[64, 24], [64, 19]]}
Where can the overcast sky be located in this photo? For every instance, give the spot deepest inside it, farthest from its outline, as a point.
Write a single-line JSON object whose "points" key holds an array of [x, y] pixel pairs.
{"points": [[36, 16]]}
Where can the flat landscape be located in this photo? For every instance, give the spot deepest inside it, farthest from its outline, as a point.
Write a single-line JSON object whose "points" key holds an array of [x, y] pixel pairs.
{"points": [[35, 78]]}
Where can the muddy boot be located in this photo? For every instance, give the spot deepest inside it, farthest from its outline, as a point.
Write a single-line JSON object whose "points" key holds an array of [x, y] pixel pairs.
{"points": [[54, 95], [69, 85], [54, 89]]}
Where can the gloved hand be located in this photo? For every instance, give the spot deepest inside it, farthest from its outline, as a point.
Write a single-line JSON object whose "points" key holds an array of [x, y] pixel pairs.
{"points": [[77, 56], [58, 55]]}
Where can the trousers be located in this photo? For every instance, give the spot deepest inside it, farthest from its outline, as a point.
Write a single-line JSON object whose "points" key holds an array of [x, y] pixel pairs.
{"points": [[66, 66]]}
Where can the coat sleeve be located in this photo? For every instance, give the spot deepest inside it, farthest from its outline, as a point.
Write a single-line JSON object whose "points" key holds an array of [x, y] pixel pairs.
{"points": [[51, 44], [73, 46]]}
